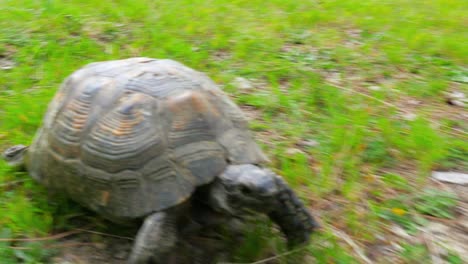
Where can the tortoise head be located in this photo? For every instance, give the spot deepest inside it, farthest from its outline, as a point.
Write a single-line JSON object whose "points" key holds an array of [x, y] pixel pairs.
{"points": [[14, 156], [243, 189]]}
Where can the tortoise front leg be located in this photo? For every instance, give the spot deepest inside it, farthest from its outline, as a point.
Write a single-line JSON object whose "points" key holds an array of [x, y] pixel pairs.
{"points": [[291, 215], [254, 188], [156, 237]]}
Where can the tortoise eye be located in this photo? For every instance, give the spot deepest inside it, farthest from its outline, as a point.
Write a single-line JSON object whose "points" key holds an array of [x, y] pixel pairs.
{"points": [[229, 188], [246, 190]]}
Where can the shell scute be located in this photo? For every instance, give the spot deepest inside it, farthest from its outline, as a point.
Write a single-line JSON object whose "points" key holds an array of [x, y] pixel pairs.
{"points": [[129, 137]]}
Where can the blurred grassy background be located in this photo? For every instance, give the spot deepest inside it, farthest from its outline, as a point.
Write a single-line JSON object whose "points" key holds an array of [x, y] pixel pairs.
{"points": [[348, 98]]}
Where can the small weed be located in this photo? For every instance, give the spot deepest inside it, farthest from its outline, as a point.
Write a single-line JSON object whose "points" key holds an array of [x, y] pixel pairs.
{"points": [[454, 258], [427, 145], [23, 252], [406, 210], [397, 211], [329, 250], [415, 253], [259, 242], [457, 155], [436, 203], [376, 152], [296, 168], [396, 181]]}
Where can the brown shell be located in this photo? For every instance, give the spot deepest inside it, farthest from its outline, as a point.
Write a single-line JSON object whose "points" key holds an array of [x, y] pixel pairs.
{"points": [[130, 137]]}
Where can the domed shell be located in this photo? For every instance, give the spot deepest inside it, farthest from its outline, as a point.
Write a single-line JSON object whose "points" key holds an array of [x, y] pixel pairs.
{"points": [[130, 137]]}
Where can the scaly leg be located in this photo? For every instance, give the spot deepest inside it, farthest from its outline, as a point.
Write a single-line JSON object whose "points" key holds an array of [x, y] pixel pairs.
{"points": [[156, 237], [291, 215], [254, 188]]}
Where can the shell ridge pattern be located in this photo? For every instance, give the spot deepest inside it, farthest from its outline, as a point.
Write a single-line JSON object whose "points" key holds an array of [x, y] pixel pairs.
{"points": [[61, 97], [125, 135], [74, 115], [153, 84], [197, 150], [132, 136], [161, 173]]}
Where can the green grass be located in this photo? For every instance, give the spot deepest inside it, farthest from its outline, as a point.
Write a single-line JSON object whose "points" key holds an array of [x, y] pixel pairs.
{"points": [[295, 52]]}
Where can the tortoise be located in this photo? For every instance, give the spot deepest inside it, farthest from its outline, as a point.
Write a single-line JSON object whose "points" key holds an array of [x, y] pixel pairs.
{"points": [[134, 138]]}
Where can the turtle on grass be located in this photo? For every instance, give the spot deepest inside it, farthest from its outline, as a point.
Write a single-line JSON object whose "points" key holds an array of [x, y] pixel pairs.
{"points": [[134, 138]]}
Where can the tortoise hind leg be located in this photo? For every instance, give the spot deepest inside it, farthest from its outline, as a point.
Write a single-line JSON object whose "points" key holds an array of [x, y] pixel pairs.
{"points": [[156, 237]]}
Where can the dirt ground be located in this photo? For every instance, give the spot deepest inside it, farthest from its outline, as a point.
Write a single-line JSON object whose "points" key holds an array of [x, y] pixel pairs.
{"points": [[442, 237], [199, 242]]}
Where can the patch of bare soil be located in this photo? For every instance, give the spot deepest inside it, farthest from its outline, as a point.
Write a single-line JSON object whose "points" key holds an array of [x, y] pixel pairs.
{"points": [[108, 250], [205, 237], [443, 237], [251, 113], [193, 250]]}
